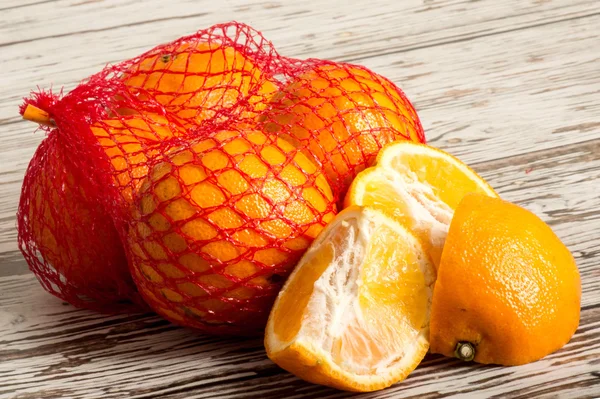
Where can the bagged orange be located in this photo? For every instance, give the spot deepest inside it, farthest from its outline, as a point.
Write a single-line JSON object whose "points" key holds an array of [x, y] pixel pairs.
{"points": [[212, 205]]}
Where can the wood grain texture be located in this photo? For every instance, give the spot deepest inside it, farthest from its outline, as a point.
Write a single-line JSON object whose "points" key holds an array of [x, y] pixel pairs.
{"points": [[514, 92], [511, 87]]}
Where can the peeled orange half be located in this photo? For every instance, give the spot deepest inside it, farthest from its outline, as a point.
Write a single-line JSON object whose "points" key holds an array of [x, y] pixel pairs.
{"points": [[420, 186], [354, 314]]}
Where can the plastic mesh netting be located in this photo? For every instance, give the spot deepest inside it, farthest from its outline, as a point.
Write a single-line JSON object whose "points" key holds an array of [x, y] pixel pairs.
{"points": [[203, 168], [70, 243]]}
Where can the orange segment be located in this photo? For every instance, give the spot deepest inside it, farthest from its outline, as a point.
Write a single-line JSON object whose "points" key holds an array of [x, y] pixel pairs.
{"points": [[287, 317], [354, 314], [449, 178], [418, 185]]}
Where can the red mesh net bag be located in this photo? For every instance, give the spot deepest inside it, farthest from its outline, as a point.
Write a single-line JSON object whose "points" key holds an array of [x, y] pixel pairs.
{"points": [[211, 162], [69, 241]]}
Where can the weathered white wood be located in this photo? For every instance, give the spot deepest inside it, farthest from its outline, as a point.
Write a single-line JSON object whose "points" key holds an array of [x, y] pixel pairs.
{"points": [[77, 353], [487, 102], [62, 44], [511, 87], [354, 28]]}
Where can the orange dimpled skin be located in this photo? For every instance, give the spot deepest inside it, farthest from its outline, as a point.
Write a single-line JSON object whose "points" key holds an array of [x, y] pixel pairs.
{"points": [[130, 143], [342, 115], [506, 284], [219, 224], [195, 81]]}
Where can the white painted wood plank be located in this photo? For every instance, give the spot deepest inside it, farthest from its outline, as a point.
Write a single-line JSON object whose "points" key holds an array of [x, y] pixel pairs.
{"points": [[53, 49], [77, 354], [482, 99], [7, 5], [408, 23]]}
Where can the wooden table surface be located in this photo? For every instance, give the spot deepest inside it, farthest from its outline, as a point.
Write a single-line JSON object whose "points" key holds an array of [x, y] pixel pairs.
{"points": [[512, 87]]}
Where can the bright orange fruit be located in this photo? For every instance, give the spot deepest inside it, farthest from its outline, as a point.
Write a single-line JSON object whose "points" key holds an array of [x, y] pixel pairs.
{"points": [[342, 115], [354, 314], [220, 223], [195, 81], [508, 290], [83, 257], [81, 249]]}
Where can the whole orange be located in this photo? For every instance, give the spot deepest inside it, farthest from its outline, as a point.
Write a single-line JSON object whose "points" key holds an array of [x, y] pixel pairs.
{"points": [[220, 223], [342, 115], [195, 81], [508, 290], [67, 238]]}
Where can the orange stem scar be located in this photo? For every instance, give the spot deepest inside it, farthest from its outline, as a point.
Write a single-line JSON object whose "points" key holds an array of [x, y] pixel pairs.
{"points": [[465, 351], [35, 114]]}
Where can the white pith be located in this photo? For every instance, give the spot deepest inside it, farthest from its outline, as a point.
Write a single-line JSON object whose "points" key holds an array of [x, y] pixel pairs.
{"points": [[334, 305], [428, 213]]}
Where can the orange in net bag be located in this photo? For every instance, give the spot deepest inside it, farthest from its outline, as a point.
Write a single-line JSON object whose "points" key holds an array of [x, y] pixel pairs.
{"points": [[68, 242], [220, 223], [342, 115], [189, 151]]}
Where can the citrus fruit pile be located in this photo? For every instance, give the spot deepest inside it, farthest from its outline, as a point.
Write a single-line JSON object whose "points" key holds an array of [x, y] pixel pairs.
{"points": [[425, 256], [237, 191], [191, 179]]}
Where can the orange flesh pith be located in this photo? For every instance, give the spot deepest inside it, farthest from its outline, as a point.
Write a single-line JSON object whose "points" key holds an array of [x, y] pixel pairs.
{"points": [[447, 180], [361, 297], [288, 317], [419, 187], [393, 294], [410, 202]]}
